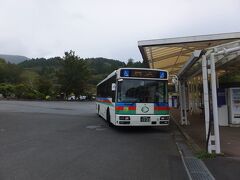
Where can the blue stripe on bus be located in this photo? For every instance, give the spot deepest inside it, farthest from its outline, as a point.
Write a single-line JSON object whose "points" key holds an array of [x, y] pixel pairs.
{"points": [[161, 104], [101, 98], [125, 104], [134, 104]]}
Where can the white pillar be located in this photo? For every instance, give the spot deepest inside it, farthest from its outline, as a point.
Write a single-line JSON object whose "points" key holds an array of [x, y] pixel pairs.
{"points": [[206, 98], [183, 108], [184, 104], [181, 100], [214, 103]]}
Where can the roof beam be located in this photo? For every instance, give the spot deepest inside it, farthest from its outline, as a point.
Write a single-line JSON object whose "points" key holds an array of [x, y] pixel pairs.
{"points": [[177, 58], [171, 55], [189, 39], [170, 66], [195, 56]]}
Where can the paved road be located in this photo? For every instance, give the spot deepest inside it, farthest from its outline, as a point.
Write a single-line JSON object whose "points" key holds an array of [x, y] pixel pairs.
{"points": [[67, 140]]}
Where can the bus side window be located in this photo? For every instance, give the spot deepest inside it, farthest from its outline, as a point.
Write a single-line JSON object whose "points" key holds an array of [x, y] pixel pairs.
{"points": [[111, 92], [113, 96]]}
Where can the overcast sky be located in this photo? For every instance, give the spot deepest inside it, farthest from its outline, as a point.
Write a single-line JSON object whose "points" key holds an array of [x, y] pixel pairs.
{"points": [[107, 28]]}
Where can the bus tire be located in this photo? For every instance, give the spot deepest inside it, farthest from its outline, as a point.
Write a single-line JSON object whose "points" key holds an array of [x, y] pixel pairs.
{"points": [[98, 110], [109, 118]]}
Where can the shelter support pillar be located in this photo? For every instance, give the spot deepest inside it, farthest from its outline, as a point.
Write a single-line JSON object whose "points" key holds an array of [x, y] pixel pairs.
{"points": [[211, 137], [206, 99], [183, 107], [196, 95], [214, 104], [180, 100]]}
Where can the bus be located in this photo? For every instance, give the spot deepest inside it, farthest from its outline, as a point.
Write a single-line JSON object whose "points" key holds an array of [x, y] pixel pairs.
{"points": [[134, 97]]}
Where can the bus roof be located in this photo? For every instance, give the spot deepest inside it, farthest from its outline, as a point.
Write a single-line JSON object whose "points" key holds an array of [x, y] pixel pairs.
{"points": [[115, 72], [108, 77]]}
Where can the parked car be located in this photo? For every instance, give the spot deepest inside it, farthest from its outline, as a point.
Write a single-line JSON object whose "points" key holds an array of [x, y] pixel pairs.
{"points": [[71, 98], [83, 98]]}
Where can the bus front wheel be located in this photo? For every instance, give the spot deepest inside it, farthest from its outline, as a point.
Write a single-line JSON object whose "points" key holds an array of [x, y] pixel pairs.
{"points": [[98, 110], [109, 118]]}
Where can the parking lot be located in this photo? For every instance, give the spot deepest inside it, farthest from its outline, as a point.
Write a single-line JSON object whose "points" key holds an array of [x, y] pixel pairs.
{"points": [[67, 140]]}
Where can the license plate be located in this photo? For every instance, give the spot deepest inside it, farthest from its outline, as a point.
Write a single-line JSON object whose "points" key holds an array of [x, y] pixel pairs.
{"points": [[145, 119]]}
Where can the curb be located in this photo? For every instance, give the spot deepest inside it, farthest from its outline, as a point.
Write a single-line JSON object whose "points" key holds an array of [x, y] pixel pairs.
{"points": [[190, 141], [194, 167], [184, 163]]}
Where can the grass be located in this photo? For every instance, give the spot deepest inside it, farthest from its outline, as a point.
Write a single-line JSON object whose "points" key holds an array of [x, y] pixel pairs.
{"points": [[205, 155]]}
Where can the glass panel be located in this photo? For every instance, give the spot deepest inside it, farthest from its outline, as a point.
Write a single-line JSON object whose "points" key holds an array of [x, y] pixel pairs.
{"points": [[142, 91]]}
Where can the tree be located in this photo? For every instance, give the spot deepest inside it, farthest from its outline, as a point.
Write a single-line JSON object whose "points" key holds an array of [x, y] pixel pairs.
{"points": [[9, 73], [137, 64], [30, 77], [74, 74], [130, 62], [44, 86], [25, 91], [6, 89]]}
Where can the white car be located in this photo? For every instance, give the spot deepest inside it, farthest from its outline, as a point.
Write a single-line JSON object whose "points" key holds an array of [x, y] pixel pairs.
{"points": [[71, 98], [83, 97]]}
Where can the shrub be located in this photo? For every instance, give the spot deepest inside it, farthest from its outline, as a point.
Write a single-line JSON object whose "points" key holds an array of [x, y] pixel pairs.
{"points": [[7, 90]]}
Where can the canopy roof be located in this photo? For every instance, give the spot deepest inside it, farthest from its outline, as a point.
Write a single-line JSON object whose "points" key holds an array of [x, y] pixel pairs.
{"points": [[172, 53]]}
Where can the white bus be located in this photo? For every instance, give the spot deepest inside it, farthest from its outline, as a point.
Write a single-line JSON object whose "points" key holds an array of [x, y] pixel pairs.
{"points": [[134, 97]]}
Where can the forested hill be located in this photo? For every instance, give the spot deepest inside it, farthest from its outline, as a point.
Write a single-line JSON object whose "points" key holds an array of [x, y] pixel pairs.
{"points": [[96, 65], [13, 58], [103, 65], [41, 63], [99, 67], [56, 77]]}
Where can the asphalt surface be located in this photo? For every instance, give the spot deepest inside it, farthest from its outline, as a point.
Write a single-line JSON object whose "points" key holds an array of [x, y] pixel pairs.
{"points": [[67, 140], [224, 167]]}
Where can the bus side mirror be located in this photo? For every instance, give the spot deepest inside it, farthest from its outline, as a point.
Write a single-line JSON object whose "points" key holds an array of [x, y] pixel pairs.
{"points": [[113, 86]]}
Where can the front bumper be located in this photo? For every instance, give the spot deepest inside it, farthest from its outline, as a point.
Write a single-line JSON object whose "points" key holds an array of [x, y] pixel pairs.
{"points": [[137, 120]]}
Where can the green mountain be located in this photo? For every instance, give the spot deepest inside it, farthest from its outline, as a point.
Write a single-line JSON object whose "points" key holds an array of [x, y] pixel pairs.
{"points": [[103, 65], [40, 77], [96, 65], [99, 67], [41, 63], [13, 58]]}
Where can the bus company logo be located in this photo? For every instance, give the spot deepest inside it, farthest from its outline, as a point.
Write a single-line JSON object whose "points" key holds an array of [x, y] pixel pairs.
{"points": [[145, 109]]}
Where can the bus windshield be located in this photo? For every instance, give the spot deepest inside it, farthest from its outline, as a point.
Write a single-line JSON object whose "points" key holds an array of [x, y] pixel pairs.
{"points": [[141, 91]]}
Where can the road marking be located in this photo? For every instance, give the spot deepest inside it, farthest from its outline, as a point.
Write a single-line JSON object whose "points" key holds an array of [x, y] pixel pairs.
{"points": [[96, 127]]}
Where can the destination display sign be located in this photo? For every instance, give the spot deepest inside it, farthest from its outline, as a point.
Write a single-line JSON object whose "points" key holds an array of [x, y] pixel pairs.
{"points": [[143, 73]]}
